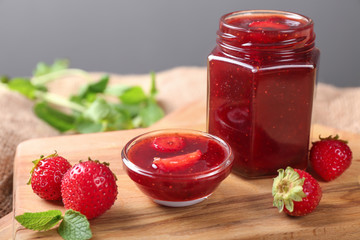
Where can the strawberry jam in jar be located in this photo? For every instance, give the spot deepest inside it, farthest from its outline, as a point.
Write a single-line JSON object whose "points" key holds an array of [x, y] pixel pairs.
{"points": [[177, 167], [261, 79]]}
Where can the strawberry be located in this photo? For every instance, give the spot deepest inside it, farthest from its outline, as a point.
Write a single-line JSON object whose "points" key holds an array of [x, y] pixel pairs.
{"points": [[296, 192], [168, 143], [330, 157], [46, 176], [178, 162], [89, 188]]}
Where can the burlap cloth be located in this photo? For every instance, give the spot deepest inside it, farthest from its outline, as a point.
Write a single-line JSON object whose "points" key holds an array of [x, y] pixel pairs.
{"points": [[334, 107]]}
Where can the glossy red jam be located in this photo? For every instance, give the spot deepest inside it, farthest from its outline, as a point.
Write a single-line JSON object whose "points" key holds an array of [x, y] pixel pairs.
{"points": [[261, 78], [194, 181]]}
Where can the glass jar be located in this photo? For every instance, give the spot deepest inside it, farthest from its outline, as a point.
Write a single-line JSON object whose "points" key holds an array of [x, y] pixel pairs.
{"points": [[261, 80]]}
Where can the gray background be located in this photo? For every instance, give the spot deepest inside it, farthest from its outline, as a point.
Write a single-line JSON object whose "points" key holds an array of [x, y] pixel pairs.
{"points": [[133, 36]]}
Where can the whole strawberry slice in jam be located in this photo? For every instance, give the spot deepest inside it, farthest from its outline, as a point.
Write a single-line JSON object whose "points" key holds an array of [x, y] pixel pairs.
{"points": [[168, 143], [178, 162]]}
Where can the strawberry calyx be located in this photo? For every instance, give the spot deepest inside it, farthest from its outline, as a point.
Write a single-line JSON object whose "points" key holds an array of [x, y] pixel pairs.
{"points": [[337, 138], [287, 188], [177, 162], [97, 161], [36, 163], [103, 163]]}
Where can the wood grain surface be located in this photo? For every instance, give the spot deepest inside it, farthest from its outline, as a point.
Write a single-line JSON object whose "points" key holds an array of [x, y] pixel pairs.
{"points": [[238, 209]]}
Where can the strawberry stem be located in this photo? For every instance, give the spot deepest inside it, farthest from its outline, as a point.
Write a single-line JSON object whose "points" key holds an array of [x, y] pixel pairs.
{"points": [[332, 138], [36, 162]]}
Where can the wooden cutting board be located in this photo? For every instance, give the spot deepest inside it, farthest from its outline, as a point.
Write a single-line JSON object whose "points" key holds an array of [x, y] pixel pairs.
{"points": [[238, 209]]}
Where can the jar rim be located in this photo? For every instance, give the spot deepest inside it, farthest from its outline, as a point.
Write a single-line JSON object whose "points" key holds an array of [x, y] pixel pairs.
{"points": [[290, 15]]}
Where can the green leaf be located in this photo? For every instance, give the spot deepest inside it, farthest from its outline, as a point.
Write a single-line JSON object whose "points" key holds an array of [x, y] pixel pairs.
{"points": [[133, 95], [119, 119], [153, 89], [83, 125], [43, 69], [132, 109], [100, 86], [98, 110], [151, 113], [23, 86], [116, 90], [75, 226], [4, 79], [40, 221], [93, 88], [59, 120]]}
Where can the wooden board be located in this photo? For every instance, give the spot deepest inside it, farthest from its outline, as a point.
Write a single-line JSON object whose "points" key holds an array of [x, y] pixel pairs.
{"points": [[238, 209]]}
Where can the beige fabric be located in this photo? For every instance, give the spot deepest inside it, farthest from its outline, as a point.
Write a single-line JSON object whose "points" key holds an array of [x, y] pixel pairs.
{"points": [[333, 107], [337, 107], [17, 124]]}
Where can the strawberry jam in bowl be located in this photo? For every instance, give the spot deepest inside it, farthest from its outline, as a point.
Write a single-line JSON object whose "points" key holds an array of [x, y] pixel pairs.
{"points": [[177, 167]]}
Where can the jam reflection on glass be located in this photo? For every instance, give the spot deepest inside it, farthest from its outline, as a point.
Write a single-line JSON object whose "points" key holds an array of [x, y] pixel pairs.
{"points": [[261, 78], [193, 182]]}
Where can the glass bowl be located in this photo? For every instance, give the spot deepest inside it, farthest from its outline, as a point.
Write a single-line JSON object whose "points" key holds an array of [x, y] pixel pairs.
{"points": [[181, 185]]}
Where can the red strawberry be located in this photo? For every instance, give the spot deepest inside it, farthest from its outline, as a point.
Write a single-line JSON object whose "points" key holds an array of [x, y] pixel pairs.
{"points": [[178, 162], [46, 176], [168, 143], [296, 192], [89, 188], [330, 157]]}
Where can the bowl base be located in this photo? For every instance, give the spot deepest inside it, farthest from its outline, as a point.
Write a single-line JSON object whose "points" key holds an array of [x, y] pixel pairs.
{"points": [[180, 203]]}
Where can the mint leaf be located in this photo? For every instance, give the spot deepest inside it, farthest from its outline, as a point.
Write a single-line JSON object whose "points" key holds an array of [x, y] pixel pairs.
{"points": [[119, 119], [93, 88], [43, 69], [40, 221], [100, 86], [84, 125], [75, 226], [116, 90], [132, 109], [151, 113], [4, 79], [59, 120], [103, 116], [23, 86], [133, 95], [98, 110], [153, 89]]}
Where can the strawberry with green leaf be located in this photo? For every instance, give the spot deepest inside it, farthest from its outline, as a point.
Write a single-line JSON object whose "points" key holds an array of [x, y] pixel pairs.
{"points": [[47, 174], [330, 157], [296, 192], [90, 188]]}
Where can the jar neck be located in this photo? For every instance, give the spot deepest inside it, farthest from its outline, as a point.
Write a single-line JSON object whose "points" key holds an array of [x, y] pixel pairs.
{"points": [[267, 33]]}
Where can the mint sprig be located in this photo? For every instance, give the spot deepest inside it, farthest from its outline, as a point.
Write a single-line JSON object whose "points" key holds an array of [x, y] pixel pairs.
{"points": [[74, 225], [40, 221], [90, 110]]}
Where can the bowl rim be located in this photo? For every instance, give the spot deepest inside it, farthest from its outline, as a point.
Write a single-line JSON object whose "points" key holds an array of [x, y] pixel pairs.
{"points": [[228, 160]]}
